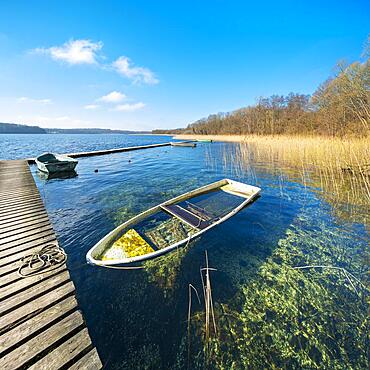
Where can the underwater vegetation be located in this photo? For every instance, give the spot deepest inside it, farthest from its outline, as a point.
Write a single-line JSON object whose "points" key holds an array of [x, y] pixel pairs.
{"points": [[294, 318], [267, 313]]}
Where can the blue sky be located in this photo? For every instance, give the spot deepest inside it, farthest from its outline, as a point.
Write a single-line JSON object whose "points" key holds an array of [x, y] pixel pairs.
{"points": [[147, 64]]}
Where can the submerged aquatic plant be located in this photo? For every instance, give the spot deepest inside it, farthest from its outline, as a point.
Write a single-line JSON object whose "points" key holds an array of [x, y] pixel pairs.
{"points": [[284, 317], [209, 315]]}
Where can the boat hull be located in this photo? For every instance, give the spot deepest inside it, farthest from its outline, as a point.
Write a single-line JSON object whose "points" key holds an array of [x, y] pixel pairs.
{"points": [[189, 145], [249, 193], [56, 167], [54, 163]]}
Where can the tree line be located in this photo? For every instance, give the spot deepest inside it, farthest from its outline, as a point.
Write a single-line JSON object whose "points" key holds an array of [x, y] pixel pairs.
{"points": [[339, 107]]}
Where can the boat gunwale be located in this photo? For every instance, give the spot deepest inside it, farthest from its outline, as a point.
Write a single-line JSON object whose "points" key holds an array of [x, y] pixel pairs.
{"points": [[126, 261]]}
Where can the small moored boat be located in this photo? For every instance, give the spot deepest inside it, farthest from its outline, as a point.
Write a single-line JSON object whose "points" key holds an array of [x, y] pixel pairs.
{"points": [[183, 143], [53, 163], [172, 224], [205, 141]]}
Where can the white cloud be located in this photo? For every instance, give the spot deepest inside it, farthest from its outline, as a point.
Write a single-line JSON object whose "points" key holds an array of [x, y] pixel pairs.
{"points": [[113, 97], [91, 106], [137, 74], [129, 107], [74, 51], [31, 100]]}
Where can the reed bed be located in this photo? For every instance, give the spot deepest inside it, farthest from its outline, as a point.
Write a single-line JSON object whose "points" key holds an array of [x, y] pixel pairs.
{"points": [[339, 166]]}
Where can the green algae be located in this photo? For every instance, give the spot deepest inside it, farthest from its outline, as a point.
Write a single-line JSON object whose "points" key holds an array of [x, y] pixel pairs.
{"points": [[288, 318]]}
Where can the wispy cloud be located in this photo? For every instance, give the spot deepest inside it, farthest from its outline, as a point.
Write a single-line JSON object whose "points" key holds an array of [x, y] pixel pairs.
{"points": [[31, 100], [129, 107], [138, 75], [113, 97], [91, 106], [74, 51]]}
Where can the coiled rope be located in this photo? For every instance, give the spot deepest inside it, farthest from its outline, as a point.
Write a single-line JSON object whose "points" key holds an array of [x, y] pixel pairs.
{"points": [[48, 258]]}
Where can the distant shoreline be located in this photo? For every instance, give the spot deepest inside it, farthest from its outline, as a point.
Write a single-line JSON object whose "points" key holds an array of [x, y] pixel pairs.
{"points": [[13, 128], [81, 133]]}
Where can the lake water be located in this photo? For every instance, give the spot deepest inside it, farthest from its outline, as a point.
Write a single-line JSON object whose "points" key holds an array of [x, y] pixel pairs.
{"points": [[266, 312], [18, 146]]}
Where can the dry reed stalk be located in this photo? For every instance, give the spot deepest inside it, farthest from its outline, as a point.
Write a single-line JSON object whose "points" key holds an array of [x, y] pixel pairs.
{"points": [[208, 303], [189, 317], [209, 313], [349, 277]]}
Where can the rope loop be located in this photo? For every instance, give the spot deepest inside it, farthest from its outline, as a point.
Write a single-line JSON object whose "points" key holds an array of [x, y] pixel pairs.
{"points": [[48, 258]]}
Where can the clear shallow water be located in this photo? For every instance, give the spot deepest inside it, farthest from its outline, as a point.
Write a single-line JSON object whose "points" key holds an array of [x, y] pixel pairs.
{"points": [[18, 146], [266, 312]]}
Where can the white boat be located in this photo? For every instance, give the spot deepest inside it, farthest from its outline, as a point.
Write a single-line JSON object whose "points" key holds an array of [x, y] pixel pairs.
{"points": [[53, 163], [184, 144], [172, 224]]}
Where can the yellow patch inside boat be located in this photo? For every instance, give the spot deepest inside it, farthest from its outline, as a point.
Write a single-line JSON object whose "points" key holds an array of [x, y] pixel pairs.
{"points": [[130, 244]]}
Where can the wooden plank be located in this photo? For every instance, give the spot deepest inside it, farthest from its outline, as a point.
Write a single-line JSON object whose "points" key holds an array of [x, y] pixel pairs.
{"points": [[25, 282], [10, 211], [34, 324], [14, 201], [65, 353], [15, 176], [186, 216], [90, 361], [19, 219], [24, 237], [38, 242], [16, 190], [22, 228], [22, 225], [26, 247], [19, 189], [14, 169], [15, 186], [9, 273], [18, 205], [28, 231], [31, 292], [37, 236], [6, 218], [29, 309], [23, 354]]}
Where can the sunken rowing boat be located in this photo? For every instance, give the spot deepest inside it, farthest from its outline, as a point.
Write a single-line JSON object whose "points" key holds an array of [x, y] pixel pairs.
{"points": [[172, 224]]}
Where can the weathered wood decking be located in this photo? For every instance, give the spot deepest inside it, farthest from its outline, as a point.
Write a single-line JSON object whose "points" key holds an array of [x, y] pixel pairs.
{"points": [[40, 324], [111, 151]]}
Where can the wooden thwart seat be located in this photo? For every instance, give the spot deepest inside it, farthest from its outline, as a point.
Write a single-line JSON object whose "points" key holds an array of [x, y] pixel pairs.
{"points": [[186, 216]]}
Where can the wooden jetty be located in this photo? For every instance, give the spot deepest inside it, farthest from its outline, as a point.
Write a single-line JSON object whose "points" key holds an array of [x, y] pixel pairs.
{"points": [[40, 324], [111, 151]]}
